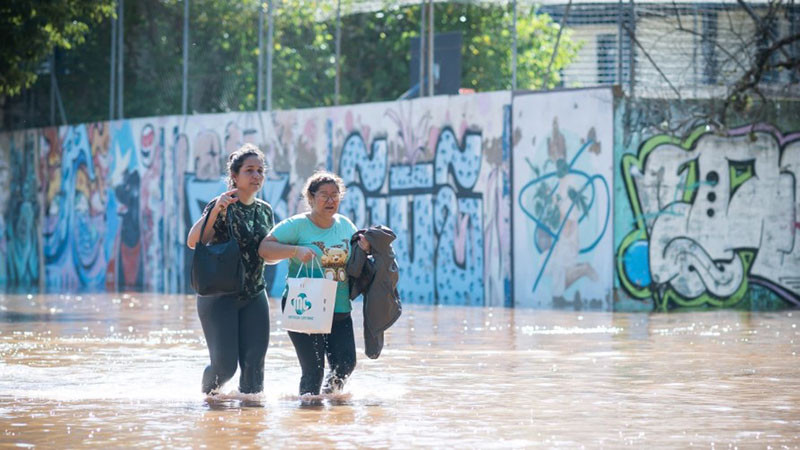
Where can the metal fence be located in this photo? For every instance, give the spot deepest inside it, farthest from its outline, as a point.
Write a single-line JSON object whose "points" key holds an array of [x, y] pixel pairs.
{"points": [[163, 57]]}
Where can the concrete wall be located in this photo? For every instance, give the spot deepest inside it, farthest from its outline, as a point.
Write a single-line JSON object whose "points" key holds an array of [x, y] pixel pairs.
{"points": [[706, 218], [108, 205], [603, 210], [563, 160]]}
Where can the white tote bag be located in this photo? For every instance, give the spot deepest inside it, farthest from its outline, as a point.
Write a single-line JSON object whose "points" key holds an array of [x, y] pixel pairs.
{"points": [[309, 303]]}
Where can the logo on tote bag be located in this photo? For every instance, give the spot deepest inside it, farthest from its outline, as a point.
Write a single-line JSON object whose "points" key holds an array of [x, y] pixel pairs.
{"points": [[310, 302], [301, 304]]}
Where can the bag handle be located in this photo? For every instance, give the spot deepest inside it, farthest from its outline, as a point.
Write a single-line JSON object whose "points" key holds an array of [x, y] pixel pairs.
{"points": [[302, 264], [227, 219]]}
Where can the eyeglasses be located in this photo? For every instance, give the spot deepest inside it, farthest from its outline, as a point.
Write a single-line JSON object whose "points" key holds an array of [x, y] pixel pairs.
{"points": [[327, 198]]}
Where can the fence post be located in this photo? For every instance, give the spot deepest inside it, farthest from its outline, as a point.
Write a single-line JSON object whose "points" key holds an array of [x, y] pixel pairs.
{"points": [[185, 91], [120, 60], [431, 31], [422, 39], [260, 76], [113, 76], [270, 31], [514, 48]]}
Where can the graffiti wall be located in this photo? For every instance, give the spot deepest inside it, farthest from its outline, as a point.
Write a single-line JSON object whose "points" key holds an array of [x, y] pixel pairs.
{"points": [[606, 209], [711, 218], [562, 174], [19, 210], [116, 199]]}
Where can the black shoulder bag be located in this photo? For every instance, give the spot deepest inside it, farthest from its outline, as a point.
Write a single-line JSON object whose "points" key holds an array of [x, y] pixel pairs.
{"points": [[217, 269]]}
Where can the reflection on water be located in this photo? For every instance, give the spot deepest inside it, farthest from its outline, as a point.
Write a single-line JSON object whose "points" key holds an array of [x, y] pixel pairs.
{"points": [[124, 370]]}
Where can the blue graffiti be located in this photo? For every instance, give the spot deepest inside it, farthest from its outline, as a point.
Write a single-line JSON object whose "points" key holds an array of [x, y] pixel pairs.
{"points": [[459, 253], [439, 244], [72, 256], [464, 164], [547, 216], [636, 263], [274, 192], [412, 221], [371, 166], [23, 255]]}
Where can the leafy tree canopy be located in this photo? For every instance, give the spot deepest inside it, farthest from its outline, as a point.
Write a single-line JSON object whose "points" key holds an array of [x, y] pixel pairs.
{"points": [[31, 29], [223, 54]]}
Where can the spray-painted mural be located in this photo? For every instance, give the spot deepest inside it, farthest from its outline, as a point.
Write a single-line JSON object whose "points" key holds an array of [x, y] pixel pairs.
{"points": [[706, 219], [562, 197], [436, 171], [20, 207], [117, 198], [715, 216]]}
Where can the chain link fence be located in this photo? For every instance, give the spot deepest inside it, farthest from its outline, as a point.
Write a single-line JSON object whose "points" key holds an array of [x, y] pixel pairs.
{"points": [[651, 49]]}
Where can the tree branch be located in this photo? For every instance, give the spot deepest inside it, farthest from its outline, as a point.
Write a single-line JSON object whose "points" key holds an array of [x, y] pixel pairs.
{"points": [[649, 58], [716, 45]]}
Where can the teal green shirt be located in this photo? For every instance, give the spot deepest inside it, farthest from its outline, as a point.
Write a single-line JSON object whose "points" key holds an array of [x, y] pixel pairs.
{"points": [[332, 246]]}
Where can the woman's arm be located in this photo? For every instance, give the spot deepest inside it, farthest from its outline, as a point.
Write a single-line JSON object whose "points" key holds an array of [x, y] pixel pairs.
{"points": [[208, 233], [273, 252]]}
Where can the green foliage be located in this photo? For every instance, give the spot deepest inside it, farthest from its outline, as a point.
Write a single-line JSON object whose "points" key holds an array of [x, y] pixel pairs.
{"points": [[224, 50], [303, 64], [29, 30], [376, 49]]}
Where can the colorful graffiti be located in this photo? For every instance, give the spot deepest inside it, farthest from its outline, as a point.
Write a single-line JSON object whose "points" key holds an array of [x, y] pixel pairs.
{"points": [[21, 243], [711, 219], [715, 214], [429, 186], [563, 200], [115, 199]]}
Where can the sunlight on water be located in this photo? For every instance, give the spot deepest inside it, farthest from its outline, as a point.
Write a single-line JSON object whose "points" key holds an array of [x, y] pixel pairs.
{"points": [[124, 370]]}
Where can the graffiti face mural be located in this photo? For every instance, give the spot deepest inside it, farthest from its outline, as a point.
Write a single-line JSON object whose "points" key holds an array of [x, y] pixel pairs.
{"points": [[714, 215], [73, 247]]}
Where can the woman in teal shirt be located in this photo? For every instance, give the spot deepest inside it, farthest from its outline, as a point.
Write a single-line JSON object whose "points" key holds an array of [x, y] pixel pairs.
{"points": [[324, 234]]}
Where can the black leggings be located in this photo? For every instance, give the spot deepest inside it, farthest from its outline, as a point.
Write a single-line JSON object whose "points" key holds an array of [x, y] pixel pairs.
{"points": [[340, 348], [237, 331]]}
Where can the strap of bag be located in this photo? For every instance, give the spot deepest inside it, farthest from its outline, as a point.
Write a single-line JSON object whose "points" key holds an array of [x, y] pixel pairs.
{"points": [[302, 264], [227, 219]]}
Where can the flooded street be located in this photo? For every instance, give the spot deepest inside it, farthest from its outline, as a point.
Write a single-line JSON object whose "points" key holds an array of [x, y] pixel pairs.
{"points": [[117, 370]]}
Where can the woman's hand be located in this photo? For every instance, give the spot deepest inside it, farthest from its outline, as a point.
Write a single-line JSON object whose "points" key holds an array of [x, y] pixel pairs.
{"points": [[194, 237], [304, 254], [226, 199], [364, 244]]}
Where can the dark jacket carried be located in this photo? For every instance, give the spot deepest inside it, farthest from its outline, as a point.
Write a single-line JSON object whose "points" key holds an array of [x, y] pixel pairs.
{"points": [[375, 276]]}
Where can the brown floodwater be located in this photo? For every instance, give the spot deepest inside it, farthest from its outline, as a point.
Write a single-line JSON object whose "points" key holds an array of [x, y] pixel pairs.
{"points": [[118, 370]]}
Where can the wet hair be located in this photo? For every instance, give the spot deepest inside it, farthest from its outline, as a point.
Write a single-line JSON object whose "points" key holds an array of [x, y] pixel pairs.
{"points": [[319, 178], [236, 160]]}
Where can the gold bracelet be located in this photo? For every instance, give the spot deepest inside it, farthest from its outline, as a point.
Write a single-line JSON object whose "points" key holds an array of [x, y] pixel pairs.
{"points": [[295, 252]]}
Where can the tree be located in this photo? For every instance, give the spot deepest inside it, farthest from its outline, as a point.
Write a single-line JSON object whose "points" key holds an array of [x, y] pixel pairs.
{"points": [[376, 47], [745, 60], [224, 50], [769, 53], [30, 30]]}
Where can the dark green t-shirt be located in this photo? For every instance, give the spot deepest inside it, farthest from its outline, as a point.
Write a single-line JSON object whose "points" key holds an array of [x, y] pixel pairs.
{"points": [[250, 223]]}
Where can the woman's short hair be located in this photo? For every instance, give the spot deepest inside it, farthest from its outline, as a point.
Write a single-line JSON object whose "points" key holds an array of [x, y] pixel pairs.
{"points": [[319, 178], [236, 160]]}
